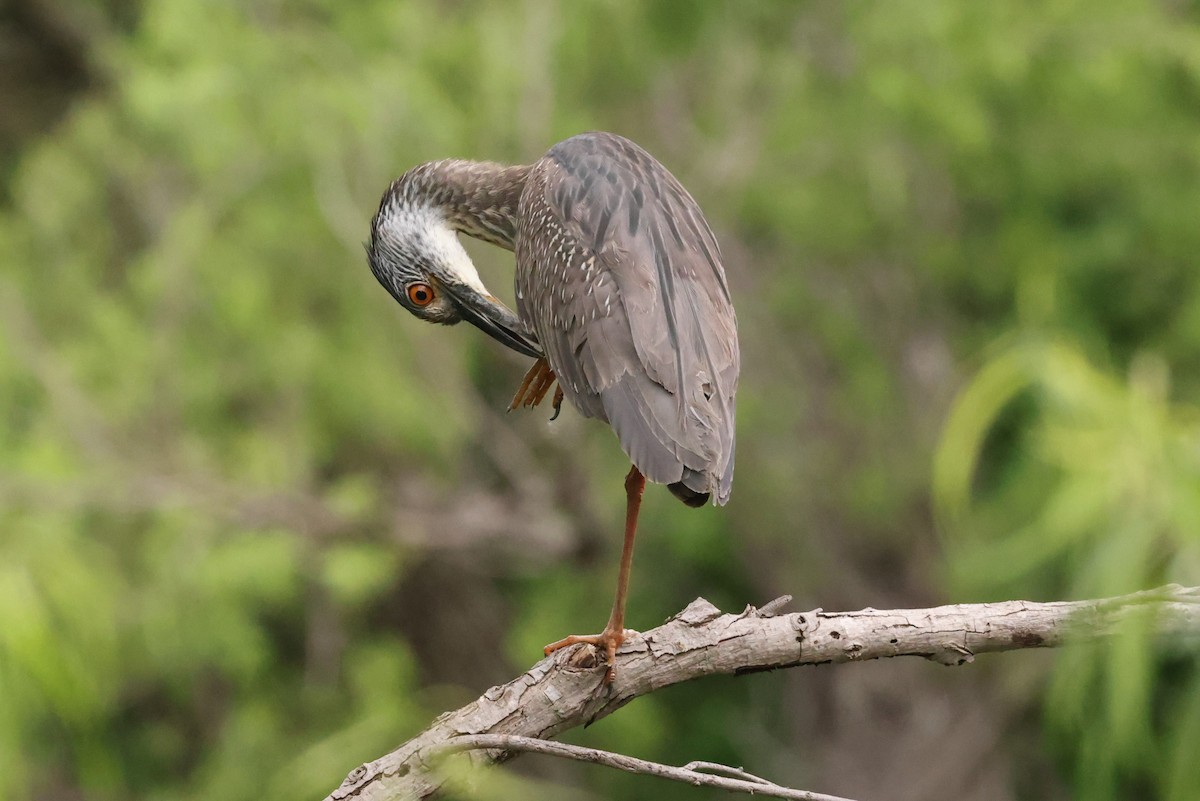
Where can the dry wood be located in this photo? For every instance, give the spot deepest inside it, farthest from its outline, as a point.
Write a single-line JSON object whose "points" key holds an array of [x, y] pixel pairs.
{"points": [[564, 690], [701, 774]]}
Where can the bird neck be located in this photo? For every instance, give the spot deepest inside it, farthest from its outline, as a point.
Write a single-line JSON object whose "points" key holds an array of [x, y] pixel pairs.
{"points": [[478, 198]]}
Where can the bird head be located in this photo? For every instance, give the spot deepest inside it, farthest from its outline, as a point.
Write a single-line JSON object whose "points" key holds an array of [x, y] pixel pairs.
{"points": [[417, 257]]}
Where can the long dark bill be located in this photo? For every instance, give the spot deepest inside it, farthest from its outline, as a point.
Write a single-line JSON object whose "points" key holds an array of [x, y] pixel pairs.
{"points": [[494, 318]]}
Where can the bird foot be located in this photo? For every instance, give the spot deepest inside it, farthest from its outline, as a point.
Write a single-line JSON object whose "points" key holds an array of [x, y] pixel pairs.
{"points": [[607, 642], [534, 386]]}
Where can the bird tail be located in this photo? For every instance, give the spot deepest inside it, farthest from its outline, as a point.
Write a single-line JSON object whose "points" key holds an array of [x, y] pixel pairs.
{"points": [[688, 495]]}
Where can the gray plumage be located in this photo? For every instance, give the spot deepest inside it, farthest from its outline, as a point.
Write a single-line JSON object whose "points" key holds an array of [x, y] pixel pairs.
{"points": [[619, 279]]}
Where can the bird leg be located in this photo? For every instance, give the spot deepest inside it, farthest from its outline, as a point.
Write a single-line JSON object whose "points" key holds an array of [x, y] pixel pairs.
{"points": [[539, 392], [534, 372], [613, 635], [534, 386]]}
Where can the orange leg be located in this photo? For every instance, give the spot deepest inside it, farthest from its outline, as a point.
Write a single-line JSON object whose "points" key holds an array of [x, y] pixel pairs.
{"points": [[614, 633], [534, 386], [543, 386], [533, 378]]}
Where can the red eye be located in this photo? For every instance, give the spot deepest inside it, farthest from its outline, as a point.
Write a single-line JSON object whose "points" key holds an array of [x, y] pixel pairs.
{"points": [[420, 295]]}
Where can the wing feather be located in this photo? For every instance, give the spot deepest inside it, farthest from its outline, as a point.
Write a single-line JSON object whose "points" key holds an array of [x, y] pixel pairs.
{"points": [[621, 277]]}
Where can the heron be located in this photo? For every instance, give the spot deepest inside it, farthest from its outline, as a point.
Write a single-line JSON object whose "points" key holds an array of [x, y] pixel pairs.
{"points": [[621, 298]]}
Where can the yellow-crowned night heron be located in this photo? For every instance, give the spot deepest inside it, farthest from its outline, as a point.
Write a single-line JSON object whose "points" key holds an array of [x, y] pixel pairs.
{"points": [[619, 287]]}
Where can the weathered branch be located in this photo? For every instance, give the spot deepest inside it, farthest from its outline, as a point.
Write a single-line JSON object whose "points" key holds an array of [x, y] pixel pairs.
{"points": [[701, 774], [564, 691]]}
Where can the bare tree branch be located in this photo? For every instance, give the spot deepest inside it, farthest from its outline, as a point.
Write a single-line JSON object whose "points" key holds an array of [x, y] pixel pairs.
{"points": [[565, 690], [698, 773]]}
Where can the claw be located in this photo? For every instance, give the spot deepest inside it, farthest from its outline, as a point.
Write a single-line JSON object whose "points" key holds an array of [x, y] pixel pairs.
{"points": [[556, 404], [607, 641]]}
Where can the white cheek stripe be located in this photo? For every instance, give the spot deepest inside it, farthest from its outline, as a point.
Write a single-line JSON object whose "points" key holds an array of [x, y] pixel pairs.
{"points": [[426, 224]]}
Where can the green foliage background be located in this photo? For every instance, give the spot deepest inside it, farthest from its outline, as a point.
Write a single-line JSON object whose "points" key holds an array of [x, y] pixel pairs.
{"points": [[257, 525]]}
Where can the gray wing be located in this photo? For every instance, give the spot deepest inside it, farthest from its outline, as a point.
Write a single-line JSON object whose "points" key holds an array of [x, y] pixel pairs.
{"points": [[621, 278]]}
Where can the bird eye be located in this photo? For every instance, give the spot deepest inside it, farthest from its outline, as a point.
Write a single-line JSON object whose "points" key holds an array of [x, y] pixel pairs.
{"points": [[420, 294]]}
